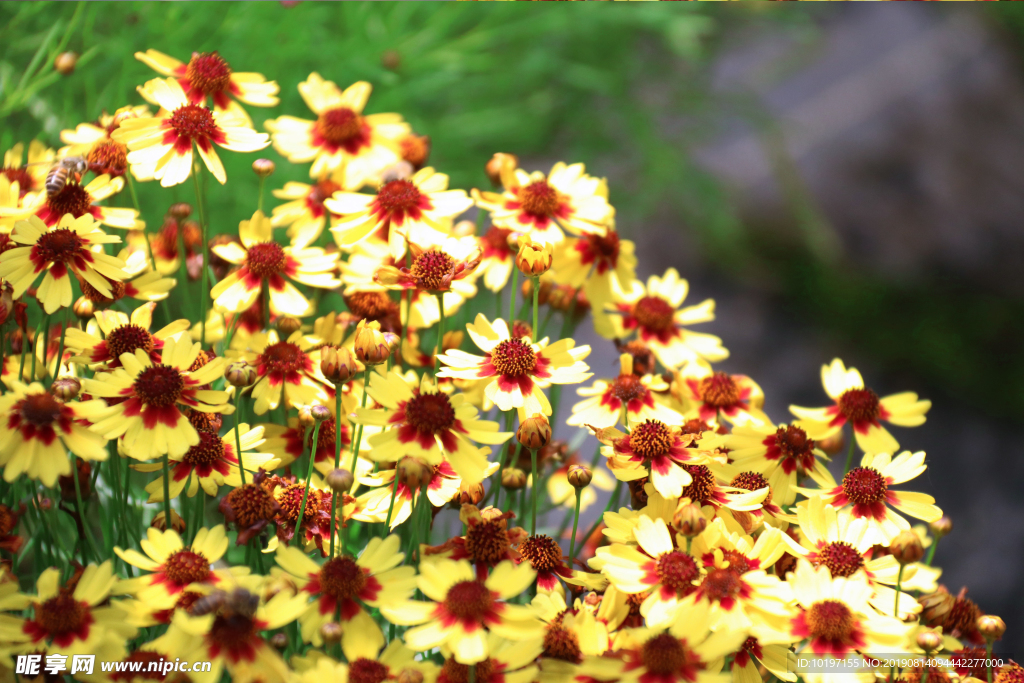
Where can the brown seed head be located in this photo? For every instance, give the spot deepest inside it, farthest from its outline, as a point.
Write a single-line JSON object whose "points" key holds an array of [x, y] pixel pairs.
{"points": [[414, 473]]}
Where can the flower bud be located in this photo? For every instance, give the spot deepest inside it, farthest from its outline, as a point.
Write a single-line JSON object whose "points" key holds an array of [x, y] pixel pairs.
{"points": [[338, 364], [391, 60], [240, 374], [410, 676], [991, 627], [513, 478], [66, 388], [533, 258], [499, 162], [464, 229], [392, 340], [471, 495], [534, 432], [340, 480], [579, 476], [264, 168], [689, 520], [929, 641], [370, 345], [65, 62], [319, 414], [177, 523], [941, 527], [279, 641], [180, 211], [331, 632], [832, 444], [414, 473], [287, 326], [906, 547], [84, 308]]}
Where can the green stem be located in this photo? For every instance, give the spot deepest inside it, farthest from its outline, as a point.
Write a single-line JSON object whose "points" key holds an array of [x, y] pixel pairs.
{"points": [[472, 673], [24, 349], [183, 270], [534, 492], [337, 460], [849, 453], [265, 295], [60, 349], [440, 334], [359, 431], [505, 462], [79, 507], [198, 512], [259, 200], [35, 344], [536, 294], [238, 433], [204, 290], [305, 491], [512, 298], [167, 492], [899, 580], [575, 521], [135, 203], [988, 659], [391, 505], [931, 551]]}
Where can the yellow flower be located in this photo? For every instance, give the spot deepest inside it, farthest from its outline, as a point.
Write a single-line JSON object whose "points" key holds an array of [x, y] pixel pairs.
{"points": [[507, 662], [112, 333], [260, 259], [167, 139], [628, 391], [342, 137], [92, 142], [207, 74], [60, 250], [306, 212], [81, 201], [39, 430], [861, 407], [435, 268], [288, 369], [716, 396], [600, 264], [533, 258], [30, 176], [651, 449]]}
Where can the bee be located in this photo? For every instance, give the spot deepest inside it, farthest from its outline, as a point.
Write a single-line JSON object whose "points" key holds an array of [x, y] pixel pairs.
{"points": [[58, 176], [227, 603]]}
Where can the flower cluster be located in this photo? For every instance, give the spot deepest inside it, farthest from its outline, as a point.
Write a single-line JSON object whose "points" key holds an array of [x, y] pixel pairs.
{"points": [[323, 455]]}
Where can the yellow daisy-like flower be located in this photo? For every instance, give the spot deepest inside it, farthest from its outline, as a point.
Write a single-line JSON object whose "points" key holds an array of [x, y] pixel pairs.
{"points": [[365, 663], [570, 633], [507, 662], [519, 368], [103, 154], [497, 257], [38, 431], [288, 369], [653, 312], [343, 588], [81, 200], [167, 139], [59, 250], [420, 420], [868, 489], [112, 334], [463, 610], [29, 176], [601, 264], [305, 213], [628, 396], [716, 396], [140, 282], [541, 205], [650, 449], [262, 260], [342, 138], [208, 75], [862, 408], [417, 209], [145, 400]]}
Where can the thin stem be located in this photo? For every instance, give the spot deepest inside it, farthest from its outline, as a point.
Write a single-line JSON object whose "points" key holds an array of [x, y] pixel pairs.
{"points": [[198, 512], [536, 294], [337, 456], [265, 296], [575, 522], [204, 291], [533, 493], [24, 349], [359, 432], [259, 200], [931, 551], [988, 659], [35, 344], [79, 507], [305, 491], [472, 673], [506, 460], [60, 349], [391, 505], [167, 493], [899, 580], [238, 433], [849, 454], [512, 297], [440, 333], [407, 305], [135, 203]]}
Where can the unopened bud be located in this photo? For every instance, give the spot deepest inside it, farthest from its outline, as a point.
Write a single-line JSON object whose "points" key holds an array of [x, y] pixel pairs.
{"points": [[240, 374], [65, 63], [415, 149], [534, 432], [392, 340], [941, 527], [264, 168], [338, 364], [471, 494], [84, 308], [306, 417], [499, 162], [513, 478], [832, 444], [340, 480], [929, 641], [464, 229], [320, 413], [390, 60], [181, 210], [177, 523], [689, 520], [66, 388], [579, 476], [410, 676], [370, 345], [287, 326], [279, 641], [906, 547], [331, 632], [414, 473], [991, 627], [533, 258]]}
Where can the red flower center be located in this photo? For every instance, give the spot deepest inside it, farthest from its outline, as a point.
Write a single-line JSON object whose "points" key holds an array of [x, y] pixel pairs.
{"points": [[605, 248], [487, 542], [793, 443], [863, 485], [433, 270], [513, 357], [208, 73], [193, 122], [39, 410], [643, 357], [678, 571], [342, 579], [266, 259], [831, 620], [108, 156], [21, 176], [339, 125], [283, 357], [398, 197], [841, 558], [322, 190], [663, 654], [58, 246], [539, 198], [720, 584], [495, 242], [159, 385], [703, 485], [654, 313], [454, 672], [250, 504], [208, 451], [72, 199], [290, 500], [752, 481], [561, 643], [233, 632], [367, 671], [430, 413], [627, 388], [8, 520], [541, 552], [738, 562], [860, 405], [128, 338], [651, 439], [186, 566], [371, 305], [719, 390], [469, 600], [61, 614]]}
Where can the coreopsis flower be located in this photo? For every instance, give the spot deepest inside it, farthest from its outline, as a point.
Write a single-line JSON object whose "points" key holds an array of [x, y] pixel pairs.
{"points": [[487, 542], [38, 431], [541, 205], [10, 540], [366, 663], [316, 521], [706, 488], [167, 244], [784, 455], [441, 267], [250, 508], [139, 282], [463, 610], [651, 448], [210, 464], [167, 139], [287, 370], [342, 138], [146, 400], [208, 75], [544, 555], [601, 264], [305, 214], [868, 489], [260, 259], [716, 396], [628, 397], [862, 408], [112, 334], [653, 312], [289, 442], [59, 250], [172, 567], [29, 176], [81, 200], [87, 137], [68, 619], [507, 662], [417, 209], [497, 257], [344, 588], [571, 633], [426, 423], [517, 367], [836, 619]]}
